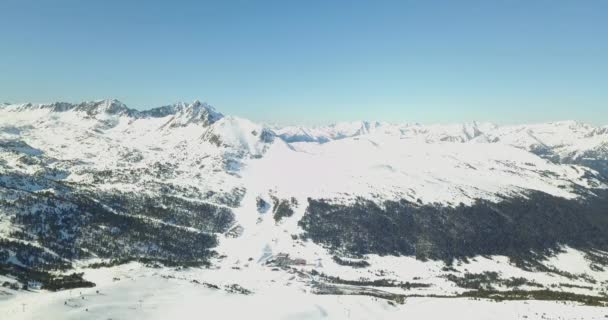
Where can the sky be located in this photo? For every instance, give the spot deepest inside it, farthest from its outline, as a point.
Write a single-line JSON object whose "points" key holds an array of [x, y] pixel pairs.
{"points": [[316, 61]]}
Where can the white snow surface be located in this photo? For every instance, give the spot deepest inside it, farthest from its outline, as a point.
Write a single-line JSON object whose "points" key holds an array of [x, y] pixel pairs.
{"points": [[133, 291], [379, 166]]}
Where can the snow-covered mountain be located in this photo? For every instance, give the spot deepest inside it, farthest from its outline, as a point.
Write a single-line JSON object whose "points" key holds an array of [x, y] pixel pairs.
{"points": [[379, 209], [561, 142]]}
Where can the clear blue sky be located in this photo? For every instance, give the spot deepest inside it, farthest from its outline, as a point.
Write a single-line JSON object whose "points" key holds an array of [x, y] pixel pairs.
{"points": [[316, 61]]}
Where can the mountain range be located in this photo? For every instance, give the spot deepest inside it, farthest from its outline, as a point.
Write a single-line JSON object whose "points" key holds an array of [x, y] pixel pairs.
{"points": [[366, 208]]}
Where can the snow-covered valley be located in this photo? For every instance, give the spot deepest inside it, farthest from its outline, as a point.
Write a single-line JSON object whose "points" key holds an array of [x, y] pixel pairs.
{"points": [[195, 212]]}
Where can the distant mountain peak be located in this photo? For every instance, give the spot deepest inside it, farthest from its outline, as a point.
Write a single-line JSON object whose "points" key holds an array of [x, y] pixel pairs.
{"points": [[185, 113], [107, 106]]}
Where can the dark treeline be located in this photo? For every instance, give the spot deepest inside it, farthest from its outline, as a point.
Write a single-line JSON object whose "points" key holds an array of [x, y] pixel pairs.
{"points": [[513, 227]]}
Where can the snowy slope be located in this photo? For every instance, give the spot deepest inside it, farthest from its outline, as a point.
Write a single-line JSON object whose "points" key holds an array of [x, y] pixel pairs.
{"points": [[380, 166]]}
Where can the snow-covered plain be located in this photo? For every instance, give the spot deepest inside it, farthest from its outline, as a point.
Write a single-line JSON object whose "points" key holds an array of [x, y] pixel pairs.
{"points": [[136, 292]]}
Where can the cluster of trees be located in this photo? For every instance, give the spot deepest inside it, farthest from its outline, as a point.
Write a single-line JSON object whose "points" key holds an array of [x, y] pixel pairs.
{"points": [[376, 282], [538, 295], [56, 228], [351, 263], [172, 209], [513, 227], [113, 235], [489, 279], [283, 208], [63, 282], [29, 255], [46, 279]]}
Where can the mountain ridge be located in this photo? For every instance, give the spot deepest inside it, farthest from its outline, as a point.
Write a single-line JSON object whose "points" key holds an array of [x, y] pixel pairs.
{"points": [[566, 141], [196, 109], [174, 107]]}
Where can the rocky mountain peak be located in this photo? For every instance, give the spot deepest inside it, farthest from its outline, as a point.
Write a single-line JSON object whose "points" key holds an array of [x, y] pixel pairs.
{"points": [[107, 106], [186, 113]]}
